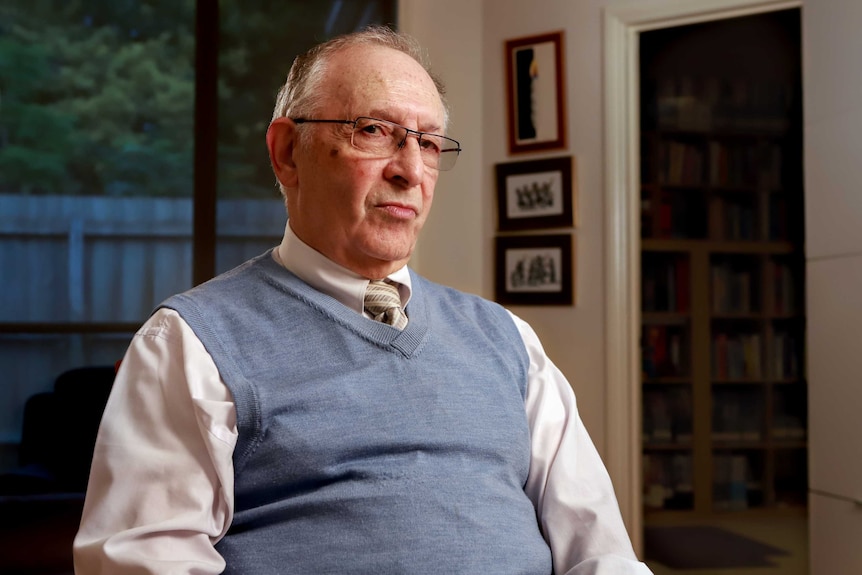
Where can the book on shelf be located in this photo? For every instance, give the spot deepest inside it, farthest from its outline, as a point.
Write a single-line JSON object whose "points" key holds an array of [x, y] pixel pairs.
{"points": [[663, 354], [679, 215], [682, 164], [737, 356], [667, 481], [665, 284], [731, 219], [789, 413], [788, 428], [714, 103], [785, 356], [731, 478], [667, 415], [737, 415], [732, 289], [783, 287], [752, 165]]}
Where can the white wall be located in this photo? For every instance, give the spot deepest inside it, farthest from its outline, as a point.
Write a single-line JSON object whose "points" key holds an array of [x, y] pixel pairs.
{"points": [[452, 248], [465, 40], [833, 141]]}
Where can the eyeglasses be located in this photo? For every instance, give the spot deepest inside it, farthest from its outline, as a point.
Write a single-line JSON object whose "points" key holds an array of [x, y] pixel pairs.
{"points": [[383, 139]]}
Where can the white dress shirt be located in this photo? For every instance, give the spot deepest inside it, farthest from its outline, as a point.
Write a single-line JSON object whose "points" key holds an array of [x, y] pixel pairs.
{"points": [[161, 486]]}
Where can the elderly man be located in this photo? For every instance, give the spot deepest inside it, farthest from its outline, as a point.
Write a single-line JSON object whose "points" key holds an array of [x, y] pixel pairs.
{"points": [[324, 409]]}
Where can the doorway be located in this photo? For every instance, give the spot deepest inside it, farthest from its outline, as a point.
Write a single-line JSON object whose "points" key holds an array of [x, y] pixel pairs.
{"points": [[669, 434], [722, 291]]}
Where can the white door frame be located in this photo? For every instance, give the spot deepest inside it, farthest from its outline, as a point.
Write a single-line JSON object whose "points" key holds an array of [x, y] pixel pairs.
{"points": [[622, 26]]}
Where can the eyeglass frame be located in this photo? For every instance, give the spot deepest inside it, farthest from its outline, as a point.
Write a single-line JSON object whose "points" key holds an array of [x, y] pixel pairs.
{"points": [[407, 132]]}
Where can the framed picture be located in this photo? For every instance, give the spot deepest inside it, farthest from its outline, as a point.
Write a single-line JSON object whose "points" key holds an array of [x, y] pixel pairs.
{"points": [[535, 270], [536, 194], [534, 93]]}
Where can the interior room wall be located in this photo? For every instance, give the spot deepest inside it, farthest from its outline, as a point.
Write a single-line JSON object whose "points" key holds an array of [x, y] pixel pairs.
{"points": [[833, 137], [465, 39]]}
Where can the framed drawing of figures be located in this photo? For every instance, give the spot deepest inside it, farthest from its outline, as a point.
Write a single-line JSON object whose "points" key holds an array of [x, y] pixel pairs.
{"points": [[534, 93], [536, 194], [535, 270]]}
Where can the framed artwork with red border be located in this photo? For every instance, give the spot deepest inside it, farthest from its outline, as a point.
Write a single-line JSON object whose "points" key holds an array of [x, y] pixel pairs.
{"points": [[535, 96]]}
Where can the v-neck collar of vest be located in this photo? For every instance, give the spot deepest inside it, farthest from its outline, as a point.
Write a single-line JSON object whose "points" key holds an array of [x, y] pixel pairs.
{"points": [[407, 342]]}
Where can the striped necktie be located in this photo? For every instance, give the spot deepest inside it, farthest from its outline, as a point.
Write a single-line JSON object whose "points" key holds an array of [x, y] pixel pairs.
{"points": [[384, 304]]}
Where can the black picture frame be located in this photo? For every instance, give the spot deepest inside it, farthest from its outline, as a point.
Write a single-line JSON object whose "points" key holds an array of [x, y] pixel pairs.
{"points": [[536, 194], [535, 270], [535, 96]]}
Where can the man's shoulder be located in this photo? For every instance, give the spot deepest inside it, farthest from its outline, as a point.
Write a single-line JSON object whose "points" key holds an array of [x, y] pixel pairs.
{"points": [[250, 270], [244, 283], [448, 296], [435, 289]]}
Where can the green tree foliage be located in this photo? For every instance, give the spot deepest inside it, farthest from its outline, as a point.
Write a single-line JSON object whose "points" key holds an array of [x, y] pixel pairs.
{"points": [[97, 96]]}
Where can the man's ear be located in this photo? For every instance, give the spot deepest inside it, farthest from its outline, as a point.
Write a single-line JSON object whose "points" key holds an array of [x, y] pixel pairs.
{"points": [[280, 141]]}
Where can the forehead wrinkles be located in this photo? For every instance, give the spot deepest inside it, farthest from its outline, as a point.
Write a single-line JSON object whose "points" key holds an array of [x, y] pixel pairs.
{"points": [[384, 82]]}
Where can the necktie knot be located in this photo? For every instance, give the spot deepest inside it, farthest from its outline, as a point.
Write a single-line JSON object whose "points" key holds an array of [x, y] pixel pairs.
{"points": [[384, 304]]}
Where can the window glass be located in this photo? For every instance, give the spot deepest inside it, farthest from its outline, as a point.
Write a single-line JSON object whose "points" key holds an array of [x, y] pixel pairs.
{"points": [[97, 166], [256, 48], [96, 179]]}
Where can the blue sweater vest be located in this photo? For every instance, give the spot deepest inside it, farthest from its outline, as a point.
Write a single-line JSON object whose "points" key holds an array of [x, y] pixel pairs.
{"points": [[363, 449]]}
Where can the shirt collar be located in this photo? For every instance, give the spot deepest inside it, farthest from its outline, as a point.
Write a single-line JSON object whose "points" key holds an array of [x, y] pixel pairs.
{"points": [[326, 276]]}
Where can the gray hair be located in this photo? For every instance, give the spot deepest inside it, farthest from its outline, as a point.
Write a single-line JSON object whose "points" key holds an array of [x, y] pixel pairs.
{"points": [[300, 96]]}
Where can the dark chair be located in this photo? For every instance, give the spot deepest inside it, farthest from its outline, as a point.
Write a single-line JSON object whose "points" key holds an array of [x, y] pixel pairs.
{"points": [[41, 501], [59, 433]]}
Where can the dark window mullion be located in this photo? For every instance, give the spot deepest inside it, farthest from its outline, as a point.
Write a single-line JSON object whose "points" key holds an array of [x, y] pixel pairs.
{"points": [[206, 141]]}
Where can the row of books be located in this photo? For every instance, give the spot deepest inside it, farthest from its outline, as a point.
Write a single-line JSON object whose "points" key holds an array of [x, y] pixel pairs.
{"points": [[665, 283], [734, 287], [667, 415], [737, 414], [681, 164], [708, 103], [668, 481], [786, 356], [744, 356], [664, 351], [736, 356], [744, 165], [790, 412], [678, 216], [788, 427], [732, 219], [720, 165], [782, 279], [687, 216]]}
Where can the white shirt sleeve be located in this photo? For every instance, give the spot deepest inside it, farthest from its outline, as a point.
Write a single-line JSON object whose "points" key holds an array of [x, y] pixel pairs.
{"points": [[160, 493], [568, 482]]}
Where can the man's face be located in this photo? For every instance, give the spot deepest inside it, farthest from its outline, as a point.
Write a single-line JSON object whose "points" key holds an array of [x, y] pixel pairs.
{"points": [[364, 212]]}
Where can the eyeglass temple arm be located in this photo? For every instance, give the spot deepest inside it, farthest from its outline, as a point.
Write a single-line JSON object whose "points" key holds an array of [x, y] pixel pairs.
{"points": [[310, 121]]}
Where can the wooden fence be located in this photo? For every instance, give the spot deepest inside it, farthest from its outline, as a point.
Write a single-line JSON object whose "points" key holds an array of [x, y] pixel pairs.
{"points": [[99, 260]]}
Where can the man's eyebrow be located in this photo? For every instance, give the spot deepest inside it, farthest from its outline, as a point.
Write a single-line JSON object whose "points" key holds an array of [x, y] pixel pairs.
{"points": [[384, 115]]}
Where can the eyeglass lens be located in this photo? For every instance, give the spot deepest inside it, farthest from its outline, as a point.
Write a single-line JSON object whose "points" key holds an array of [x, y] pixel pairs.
{"points": [[384, 138]]}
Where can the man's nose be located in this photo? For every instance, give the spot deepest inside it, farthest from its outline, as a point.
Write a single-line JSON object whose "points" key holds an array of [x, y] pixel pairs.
{"points": [[407, 162]]}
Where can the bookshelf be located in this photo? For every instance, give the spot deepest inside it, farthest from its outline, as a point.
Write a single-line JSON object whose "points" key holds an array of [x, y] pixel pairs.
{"points": [[722, 269]]}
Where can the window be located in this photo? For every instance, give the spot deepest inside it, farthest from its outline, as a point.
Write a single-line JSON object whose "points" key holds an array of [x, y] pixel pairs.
{"points": [[133, 164]]}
